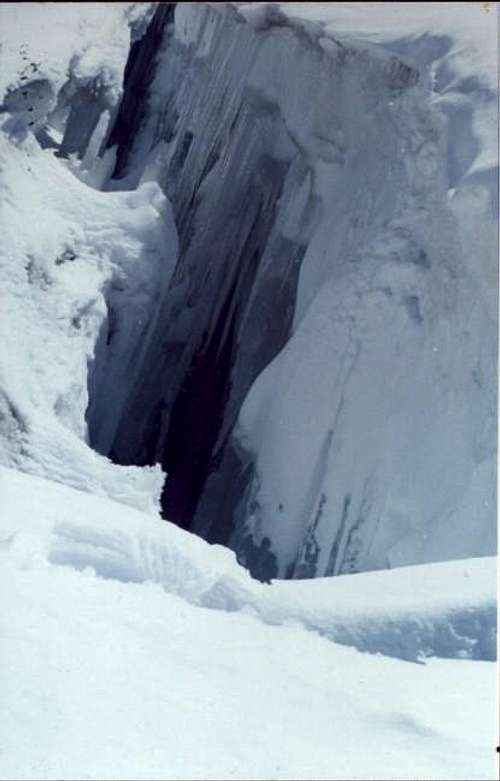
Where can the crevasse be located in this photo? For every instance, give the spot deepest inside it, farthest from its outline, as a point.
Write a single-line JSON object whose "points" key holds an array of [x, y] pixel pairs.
{"points": [[315, 380]]}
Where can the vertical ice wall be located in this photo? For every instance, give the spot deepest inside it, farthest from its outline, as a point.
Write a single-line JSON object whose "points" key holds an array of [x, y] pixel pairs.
{"points": [[367, 433]]}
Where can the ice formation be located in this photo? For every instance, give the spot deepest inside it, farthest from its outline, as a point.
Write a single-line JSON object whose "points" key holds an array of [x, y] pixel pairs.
{"points": [[308, 353], [251, 249], [319, 381]]}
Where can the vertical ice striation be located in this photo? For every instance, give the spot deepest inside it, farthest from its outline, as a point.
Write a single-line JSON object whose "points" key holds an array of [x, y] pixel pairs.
{"points": [[242, 193], [317, 378]]}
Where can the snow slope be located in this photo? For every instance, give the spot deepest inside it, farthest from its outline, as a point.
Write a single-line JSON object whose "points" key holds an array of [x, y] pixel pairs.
{"points": [[158, 657], [76, 268], [445, 610], [56, 42]]}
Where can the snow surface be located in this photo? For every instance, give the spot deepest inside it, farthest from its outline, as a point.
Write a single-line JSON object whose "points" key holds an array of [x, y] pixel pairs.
{"points": [[465, 56], [54, 41], [132, 649], [68, 255]]}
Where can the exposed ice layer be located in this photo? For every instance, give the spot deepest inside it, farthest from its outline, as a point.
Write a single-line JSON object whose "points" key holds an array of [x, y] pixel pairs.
{"points": [[369, 441], [446, 610], [241, 150], [223, 155], [391, 456]]}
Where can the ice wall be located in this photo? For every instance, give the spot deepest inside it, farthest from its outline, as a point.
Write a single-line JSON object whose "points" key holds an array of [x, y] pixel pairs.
{"points": [[318, 380]]}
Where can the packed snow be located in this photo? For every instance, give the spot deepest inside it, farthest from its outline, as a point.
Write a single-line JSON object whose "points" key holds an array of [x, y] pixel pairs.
{"points": [[131, 648]]}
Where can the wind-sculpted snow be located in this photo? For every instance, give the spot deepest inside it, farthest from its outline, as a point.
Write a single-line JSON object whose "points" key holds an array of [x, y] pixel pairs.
{"points": [[146, 636], [446, 610]]}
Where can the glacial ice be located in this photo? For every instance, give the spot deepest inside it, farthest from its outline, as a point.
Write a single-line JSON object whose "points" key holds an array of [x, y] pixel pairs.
{"points": [[290, 224], [328, 291], [334, 298]]}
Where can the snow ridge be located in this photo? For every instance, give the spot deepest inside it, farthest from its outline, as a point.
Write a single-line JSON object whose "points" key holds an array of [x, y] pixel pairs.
{"points": [[456, 620]]}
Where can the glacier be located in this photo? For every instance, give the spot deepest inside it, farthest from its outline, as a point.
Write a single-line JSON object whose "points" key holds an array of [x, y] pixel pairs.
{"points": [[334, 297], [248, 342], [324, 277]]}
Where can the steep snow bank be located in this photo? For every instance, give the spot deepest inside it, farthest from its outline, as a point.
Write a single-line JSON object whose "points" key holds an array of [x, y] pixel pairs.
{"points": [[78, 269]]}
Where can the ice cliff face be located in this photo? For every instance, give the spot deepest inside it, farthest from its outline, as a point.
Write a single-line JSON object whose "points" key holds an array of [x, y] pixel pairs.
{"points": [[317, 376], [318, 382]]}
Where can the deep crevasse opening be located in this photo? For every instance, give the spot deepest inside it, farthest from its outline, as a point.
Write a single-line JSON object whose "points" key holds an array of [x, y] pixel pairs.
{"points": [[320, 255]]}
